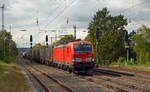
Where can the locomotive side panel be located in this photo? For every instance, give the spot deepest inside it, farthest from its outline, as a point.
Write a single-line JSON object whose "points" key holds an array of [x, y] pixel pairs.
{"points": [[61, 57], [69, 53], [58, 55]]}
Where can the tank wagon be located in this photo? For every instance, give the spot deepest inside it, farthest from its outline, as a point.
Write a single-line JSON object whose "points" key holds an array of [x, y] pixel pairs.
{"points": [[73, 56]]}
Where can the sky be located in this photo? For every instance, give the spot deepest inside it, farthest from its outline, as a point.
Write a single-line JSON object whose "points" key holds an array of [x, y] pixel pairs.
{"points": [[52, 16]]}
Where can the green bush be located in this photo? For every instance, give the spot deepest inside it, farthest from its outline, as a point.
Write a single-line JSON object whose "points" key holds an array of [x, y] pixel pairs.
{"points": [[121, 60], [147, 59], [114, 63], [9, 59], [1, 58]]}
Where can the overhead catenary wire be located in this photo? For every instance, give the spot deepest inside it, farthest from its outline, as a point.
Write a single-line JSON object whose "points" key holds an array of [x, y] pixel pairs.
{"points": [[29, 25], [54, 9], [59, 13], [135, 5], [51, 21], [141, 18], [129, 8]]}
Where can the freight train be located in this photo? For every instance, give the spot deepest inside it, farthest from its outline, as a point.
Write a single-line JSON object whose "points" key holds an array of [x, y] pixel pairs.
{"points": [[72, 56]]}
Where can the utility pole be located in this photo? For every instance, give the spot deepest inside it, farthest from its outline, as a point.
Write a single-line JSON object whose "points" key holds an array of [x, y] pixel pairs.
{"points": [[2, 16], [74, 31], [51, 41], [3, 35], [37, 21], [10, 42]]}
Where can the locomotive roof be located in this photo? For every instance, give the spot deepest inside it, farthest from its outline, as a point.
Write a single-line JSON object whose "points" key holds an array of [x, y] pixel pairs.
{"points": [[85, 42], [75, 42], [60, 46]]}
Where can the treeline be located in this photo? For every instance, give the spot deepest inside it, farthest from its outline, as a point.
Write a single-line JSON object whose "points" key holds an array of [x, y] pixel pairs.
{"points": [[9, 43], [142, 45], [64, 39], [111, 46]]}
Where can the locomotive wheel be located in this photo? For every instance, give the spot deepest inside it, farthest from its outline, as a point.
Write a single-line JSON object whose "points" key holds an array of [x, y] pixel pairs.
{"points": [[41, 61], [44, 62], [59, 66], [53, 64], [47, 63], [65, 68], [70, 70], [50, 63], [62, 67]]}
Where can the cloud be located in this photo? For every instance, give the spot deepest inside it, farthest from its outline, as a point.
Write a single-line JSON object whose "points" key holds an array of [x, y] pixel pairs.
{"points": [[53, 14]]}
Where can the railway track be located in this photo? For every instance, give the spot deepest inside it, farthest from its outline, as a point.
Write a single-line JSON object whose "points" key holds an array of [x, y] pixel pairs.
{"points": [[125, 79], [49, 83], [112, 73], [78, 83], [124, 84], [138, 73], [105, 83], [118, 81], [112, 81], [109, 84]]}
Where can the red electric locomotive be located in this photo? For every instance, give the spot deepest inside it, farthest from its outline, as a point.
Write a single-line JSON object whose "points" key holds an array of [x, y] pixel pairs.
{"points": [[74, 56]]}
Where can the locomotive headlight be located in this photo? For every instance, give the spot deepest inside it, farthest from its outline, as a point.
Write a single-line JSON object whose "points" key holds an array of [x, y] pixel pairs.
{"points": [[90, 59], [93, 59], [76, 59]]}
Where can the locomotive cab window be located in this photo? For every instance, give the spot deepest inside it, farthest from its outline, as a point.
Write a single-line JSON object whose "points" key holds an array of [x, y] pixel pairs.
{"points": [[83, 48]]}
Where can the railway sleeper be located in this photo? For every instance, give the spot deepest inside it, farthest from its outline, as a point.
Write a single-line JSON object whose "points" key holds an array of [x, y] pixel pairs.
{"points": [[116, 87]]}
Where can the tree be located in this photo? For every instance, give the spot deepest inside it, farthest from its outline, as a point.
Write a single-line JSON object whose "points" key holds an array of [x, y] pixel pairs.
{"points": [[64, 39], [7, 39], [142, 45], [38, 46], [111, 34]]}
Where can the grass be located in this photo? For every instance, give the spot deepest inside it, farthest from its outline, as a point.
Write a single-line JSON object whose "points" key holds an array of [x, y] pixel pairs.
{"points": [[12, 79], [9, 59], [139, 67], [143, 67]]}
